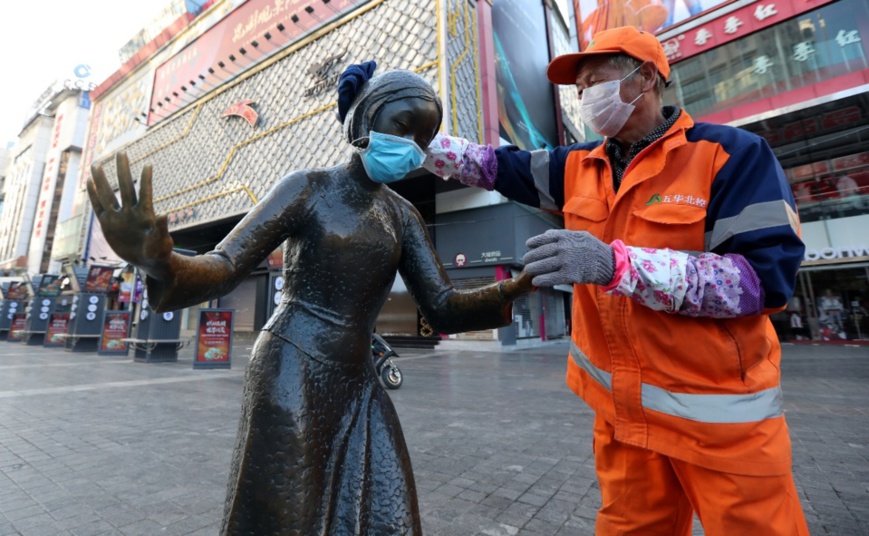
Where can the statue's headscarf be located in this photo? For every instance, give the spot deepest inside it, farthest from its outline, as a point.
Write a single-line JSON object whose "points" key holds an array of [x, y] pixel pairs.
{"points": [[361, 96]]}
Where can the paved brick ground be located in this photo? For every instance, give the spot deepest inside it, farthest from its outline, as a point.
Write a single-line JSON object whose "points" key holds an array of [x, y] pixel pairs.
{"points": [[102, 445]]}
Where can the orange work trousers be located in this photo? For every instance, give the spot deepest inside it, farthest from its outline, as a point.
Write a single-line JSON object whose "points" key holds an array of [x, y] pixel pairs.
{"points": [[648, 494]]}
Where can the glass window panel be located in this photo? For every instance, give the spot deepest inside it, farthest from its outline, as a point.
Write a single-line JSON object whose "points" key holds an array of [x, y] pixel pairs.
{"points": [[813, 47]]}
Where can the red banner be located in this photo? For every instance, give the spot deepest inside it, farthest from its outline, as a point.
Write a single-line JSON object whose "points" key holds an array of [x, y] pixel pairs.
{"points": [[214, 338], [807, 171], [58, 326], [852, 161], [734, 25], [116, 326], [228, 49], [126, 288], [16, 330]]}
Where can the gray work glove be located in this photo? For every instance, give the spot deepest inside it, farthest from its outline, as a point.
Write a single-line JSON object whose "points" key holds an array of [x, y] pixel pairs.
{"points": [[561, 257]]}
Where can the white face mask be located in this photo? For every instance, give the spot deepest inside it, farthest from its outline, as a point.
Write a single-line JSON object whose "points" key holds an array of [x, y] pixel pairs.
{"points": [[603, 109]]}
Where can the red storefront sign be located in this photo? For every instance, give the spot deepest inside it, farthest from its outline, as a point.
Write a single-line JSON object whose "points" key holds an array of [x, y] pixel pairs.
{"points": [[851, 161], [214, 339], [808, 171], [58, 326], [799, 129], [116, 326], [845, 117], [228, 48], [734, 25]]}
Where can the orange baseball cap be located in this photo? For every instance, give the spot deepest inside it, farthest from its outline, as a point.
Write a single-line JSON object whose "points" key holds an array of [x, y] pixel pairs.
{"points": [[628, 40]]}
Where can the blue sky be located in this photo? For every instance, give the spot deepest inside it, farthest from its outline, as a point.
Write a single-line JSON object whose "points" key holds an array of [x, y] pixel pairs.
{"points": [[45, 40]]}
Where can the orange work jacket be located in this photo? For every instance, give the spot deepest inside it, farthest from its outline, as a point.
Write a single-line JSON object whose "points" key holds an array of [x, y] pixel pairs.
{"points": [[698, 389]]}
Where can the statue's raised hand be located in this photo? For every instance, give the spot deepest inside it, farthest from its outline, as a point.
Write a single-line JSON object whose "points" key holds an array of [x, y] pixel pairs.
{"points": [[132, 229]]}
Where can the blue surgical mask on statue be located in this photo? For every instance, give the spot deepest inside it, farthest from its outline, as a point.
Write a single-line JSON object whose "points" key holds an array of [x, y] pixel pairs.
{"points": [[389, 158]]}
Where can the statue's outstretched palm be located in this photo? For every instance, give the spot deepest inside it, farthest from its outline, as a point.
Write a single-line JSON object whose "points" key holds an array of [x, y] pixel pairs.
{"points": [[132, 229]]}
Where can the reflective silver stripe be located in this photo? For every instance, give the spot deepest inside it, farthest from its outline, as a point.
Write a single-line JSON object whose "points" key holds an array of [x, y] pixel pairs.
{"points": [[753, 217], [540, 173], [603, 377], [717, 409]]}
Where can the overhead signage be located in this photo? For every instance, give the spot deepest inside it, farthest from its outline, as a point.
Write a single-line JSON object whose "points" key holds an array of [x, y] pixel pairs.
{"points": [[244, 110], [247, 35], [734, 25], [847, 252], [325, 74]]}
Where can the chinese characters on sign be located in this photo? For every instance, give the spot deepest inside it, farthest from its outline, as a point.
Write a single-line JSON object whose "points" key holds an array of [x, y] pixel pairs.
{"points": [[741, 22], [116, 326], [214, 339], [58, 325], [19, 325]]}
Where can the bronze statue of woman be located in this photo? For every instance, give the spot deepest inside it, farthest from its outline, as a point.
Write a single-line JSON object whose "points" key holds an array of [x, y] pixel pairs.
{"points": [[319, 447]]}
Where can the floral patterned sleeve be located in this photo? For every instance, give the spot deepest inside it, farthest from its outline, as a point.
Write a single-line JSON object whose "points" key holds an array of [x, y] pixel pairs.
{"points": [[708, 285], [457, 158]]}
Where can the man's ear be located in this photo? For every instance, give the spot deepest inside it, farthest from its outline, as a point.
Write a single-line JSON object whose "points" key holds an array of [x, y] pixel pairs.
{"points": [[650, 75]]}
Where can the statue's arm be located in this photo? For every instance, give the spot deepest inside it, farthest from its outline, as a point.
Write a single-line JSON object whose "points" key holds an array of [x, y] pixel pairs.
{"points": [[447, 309], [140, 237], [193, 280]]}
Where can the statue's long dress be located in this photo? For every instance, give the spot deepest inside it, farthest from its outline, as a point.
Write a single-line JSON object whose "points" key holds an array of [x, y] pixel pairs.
{"points": [[320, 448]]}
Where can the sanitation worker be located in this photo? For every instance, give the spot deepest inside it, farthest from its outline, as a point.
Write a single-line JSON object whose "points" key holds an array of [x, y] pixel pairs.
{"points": [[680, 238]]}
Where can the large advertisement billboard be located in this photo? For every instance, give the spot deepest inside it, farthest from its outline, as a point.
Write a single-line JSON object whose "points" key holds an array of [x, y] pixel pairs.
{"points": [[526, 107], [648, 15]]}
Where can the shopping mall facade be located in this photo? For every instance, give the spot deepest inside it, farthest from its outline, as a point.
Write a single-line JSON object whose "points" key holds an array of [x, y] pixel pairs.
{"points": [[796, 74], [225, 103]]}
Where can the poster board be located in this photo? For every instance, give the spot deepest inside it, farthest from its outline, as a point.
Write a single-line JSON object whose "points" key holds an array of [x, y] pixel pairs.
{"points": [[127, 287], [17, 291], [18, 327], [116, 328], [49, 286], [55, 331], [99, 279], [214, 339]]}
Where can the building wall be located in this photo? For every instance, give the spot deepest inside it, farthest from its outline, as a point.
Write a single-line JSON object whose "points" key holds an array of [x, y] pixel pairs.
{"points": [[802, 83], [22, 190], [117, 118], [208, 167]]}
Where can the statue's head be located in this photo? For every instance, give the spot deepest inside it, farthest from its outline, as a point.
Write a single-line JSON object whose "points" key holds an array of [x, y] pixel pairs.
{"points": [[399, 103]]}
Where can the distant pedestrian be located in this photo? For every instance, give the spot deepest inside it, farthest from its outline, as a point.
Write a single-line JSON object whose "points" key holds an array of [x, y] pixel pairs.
{"points": [[798, 332]]}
